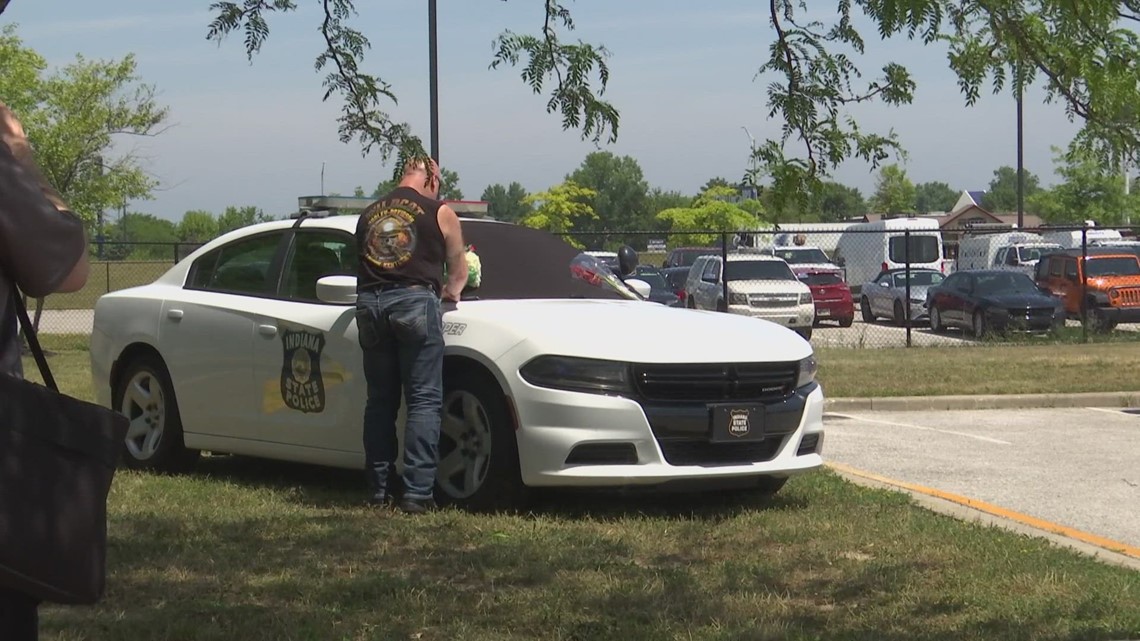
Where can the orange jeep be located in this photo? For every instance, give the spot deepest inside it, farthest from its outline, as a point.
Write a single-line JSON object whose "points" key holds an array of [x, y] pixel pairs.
{"points": [[1110, 293]]}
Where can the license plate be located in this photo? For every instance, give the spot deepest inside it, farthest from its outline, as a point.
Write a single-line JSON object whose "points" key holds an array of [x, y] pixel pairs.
{"points": [[735, 423], [824, 312]]}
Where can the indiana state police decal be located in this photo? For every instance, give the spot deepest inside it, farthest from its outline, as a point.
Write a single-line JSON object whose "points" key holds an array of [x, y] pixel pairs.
{"points": [[302, 387]]}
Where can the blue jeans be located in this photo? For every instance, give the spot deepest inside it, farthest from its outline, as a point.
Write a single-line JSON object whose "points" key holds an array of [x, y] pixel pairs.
{"points": [[401, 335]]}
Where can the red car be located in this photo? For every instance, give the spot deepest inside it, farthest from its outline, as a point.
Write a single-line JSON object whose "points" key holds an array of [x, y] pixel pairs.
{"points": [[831, 294]]}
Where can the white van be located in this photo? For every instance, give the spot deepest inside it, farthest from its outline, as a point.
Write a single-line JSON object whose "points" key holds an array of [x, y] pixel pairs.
{"points": [[867, 249], [1072, 238], [1016, 250]]}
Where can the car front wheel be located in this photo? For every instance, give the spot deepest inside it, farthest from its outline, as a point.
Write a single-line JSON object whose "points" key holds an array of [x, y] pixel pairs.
{"points": [[865, 308], [145, 395], [935, 320], [478, 453]]}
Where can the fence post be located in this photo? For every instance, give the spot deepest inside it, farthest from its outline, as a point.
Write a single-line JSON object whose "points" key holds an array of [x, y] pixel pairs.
{"points": [[176, 253], [906, 304], [724, 268], [1084, 283], [107, 270]]}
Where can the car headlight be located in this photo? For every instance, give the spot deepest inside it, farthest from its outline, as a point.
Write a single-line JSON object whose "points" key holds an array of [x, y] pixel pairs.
{"points": [[738, 299], [807, 370], [577, 374], [805, 298]]}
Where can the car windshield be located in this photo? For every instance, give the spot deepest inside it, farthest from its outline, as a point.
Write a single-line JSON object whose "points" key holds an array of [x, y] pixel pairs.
{"points": [[1026, 254], [802, 256], [1114, 266], [918, 279], [1007, 283], [826, 278], [758, 270]]}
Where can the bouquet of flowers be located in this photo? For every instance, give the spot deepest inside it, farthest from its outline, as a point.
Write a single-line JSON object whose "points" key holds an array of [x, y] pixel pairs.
{"points": [[474, 269]]}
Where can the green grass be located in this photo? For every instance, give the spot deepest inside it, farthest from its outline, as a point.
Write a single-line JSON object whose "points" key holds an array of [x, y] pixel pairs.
{"points": [[252, 550], [108, 276]]}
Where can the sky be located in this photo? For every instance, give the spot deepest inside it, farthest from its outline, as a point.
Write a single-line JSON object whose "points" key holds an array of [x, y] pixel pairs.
{"points": [[683, 77]]}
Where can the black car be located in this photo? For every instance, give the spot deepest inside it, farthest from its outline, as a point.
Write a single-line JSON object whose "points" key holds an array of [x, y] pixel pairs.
{"points": [[659, 289], [992, 300]]}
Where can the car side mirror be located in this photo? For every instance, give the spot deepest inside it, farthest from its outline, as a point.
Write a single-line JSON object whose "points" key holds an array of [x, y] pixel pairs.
{"points": [[338, 290], [884, 284], [641, 287]]}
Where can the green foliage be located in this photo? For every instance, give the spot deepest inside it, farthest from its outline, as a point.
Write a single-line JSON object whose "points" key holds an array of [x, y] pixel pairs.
{"points": [[448, 190], [934, 196], [506, 203], [621, 192], [836, 202], [1088, 191], [1002, 194], [76, 118], [712, 211], [197, 226], [558, 209], [140, 228], [237, 217], [894, 192]]}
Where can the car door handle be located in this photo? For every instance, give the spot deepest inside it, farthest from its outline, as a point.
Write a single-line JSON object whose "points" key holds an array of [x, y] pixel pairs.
{"points": [[174, 314], [267, 330]]}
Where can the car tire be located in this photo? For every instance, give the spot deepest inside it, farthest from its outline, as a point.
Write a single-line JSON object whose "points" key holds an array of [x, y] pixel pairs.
{"points": [[899, 314], [477, 429], [721, 306], [805, 332], [847, 322], [979, 324], [865, 307], [145, 395], [936, 320]]}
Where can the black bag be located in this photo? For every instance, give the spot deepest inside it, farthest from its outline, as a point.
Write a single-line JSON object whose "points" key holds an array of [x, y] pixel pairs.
{"points": [[58, 456]]}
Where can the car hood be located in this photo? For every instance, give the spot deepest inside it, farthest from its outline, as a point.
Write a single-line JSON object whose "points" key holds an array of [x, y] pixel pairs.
{"points": [[1105, 282], [635, 331], [1022, 300]]}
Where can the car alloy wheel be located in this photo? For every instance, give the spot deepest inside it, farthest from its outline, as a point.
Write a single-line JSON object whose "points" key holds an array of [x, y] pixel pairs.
{"points": [[478, 451], [145, 396], [865, 307]]}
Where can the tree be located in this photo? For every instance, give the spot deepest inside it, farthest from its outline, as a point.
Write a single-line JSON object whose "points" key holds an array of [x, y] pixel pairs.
{"points": [[448, 186], [76, 119], [559, 208], [1089, 190], [934, 196], [197, 226], [1002, 194], [1082, 51], [506, 203], [621, 191], [237, 217], [836, 202], [711, 211], [894, 192], [154, 237]]}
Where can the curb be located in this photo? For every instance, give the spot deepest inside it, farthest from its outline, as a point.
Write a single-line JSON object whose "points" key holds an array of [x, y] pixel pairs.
{"points": [[984, 402]]}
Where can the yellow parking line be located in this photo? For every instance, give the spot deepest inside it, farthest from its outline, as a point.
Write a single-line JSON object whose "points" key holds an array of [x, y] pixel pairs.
{"points": [[1025, 519]]}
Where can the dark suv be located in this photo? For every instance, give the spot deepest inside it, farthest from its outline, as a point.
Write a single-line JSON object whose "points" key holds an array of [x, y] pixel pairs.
{"points": [[685, 256]]}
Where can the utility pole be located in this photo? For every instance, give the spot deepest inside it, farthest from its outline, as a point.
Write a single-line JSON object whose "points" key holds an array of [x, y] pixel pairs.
{"points": [[433, 80], [1020, 155]]}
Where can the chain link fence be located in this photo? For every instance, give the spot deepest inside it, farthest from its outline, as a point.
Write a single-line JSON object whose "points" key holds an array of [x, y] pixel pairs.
{"points": [[901, 282], [892, 283]]}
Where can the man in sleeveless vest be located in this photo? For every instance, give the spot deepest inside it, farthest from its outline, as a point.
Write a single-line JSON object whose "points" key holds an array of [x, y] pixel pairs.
{"points": [[403, 241]]}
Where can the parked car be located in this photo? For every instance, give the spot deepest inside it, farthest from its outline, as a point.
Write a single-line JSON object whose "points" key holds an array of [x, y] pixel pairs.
{"points": [[831, 294], [659, 289], [992, 300], [249, 346], [801, 257], [1105, 284], [676, 277], [759, 286], [686, 256], [886, 295]]}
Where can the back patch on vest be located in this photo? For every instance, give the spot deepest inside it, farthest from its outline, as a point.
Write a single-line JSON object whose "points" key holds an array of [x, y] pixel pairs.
{"points": [[391, 236]]}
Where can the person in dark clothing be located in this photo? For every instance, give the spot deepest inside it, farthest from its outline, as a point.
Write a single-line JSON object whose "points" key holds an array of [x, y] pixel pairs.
{"points": [[43, 250], [404, 240]]}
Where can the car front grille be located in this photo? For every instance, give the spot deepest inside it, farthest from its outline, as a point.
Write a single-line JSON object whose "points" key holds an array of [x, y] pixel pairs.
{"points": [[1040, 313], [698, 452], [715, 382], [1129, 296], [772, 300]]}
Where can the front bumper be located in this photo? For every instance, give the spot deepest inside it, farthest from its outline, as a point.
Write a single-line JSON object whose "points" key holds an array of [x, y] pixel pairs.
{"points": [[1120, 314], [794, 317], [1019, 320], [572, 439]]}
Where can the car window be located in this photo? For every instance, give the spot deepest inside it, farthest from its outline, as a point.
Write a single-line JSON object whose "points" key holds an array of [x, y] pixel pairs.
{"points": [[923, 249], [1112, 267], [1055, 267], [1071, 269], [1006, 283], [314, 255], [801, 256], [710, 270], [821, 279], [241, 267]]}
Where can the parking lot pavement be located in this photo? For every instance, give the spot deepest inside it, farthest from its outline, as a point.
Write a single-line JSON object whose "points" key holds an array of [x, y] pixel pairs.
{"points": [[883, 333], [1077, 468], [66, 321]]}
